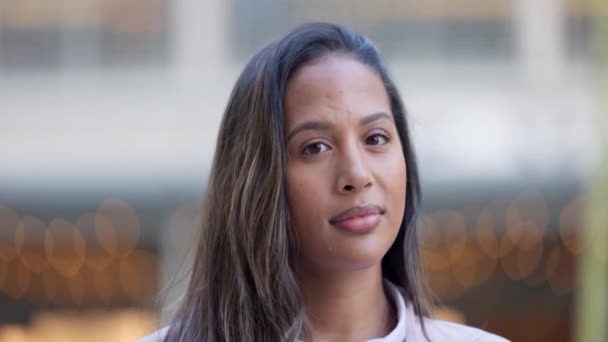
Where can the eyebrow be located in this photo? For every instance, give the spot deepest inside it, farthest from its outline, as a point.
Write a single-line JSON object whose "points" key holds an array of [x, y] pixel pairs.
{"points": [[326, 125]]}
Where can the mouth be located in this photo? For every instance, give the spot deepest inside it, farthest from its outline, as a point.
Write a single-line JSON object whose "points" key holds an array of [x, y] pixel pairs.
{"points": [[360, 219]]}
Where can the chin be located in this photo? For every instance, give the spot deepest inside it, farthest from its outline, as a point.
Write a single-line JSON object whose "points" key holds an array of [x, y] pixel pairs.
{"points": [[337, 251], [359, 260]]}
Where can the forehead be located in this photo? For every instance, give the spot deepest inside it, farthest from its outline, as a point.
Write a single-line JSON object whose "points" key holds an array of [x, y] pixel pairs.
{"points": [[334, 86]]}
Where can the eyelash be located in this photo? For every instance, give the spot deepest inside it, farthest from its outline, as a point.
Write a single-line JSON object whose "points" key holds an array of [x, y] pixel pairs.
{"points": [[386, 137]]}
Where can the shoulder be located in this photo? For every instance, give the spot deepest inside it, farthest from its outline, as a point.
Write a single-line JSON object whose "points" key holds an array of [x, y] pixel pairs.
{"points": [[157, 336], [439, 330]]}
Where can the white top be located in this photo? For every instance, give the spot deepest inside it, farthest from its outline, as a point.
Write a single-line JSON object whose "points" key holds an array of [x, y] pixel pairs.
{"points": [[408, 327]]}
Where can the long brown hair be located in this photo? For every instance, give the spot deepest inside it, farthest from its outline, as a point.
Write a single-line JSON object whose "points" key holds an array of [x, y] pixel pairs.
{"points": [[242, 285]]}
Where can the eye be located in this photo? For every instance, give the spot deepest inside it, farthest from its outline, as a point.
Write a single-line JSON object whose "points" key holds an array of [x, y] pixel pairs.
{"points": [[377, 139], [315, 148]]}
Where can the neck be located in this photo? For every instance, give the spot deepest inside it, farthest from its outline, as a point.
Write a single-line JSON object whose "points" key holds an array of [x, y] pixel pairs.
{"points": [[347, 306]]}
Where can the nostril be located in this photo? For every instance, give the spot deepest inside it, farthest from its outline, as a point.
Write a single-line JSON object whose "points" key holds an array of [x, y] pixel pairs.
{"points": [[348, 187]]}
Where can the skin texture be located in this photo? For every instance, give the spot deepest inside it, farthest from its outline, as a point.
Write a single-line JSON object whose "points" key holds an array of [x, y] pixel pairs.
{"points": [[331, 169]]}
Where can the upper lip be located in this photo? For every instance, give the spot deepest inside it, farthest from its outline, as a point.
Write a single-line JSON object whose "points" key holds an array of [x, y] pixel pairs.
{"points": [[358, 211]]}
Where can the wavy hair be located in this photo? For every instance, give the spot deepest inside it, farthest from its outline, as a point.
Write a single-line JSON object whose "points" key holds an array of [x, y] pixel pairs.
{"points": [[242, 285]]}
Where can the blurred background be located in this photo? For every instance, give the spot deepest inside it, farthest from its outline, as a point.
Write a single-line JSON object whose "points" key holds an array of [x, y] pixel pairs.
{"points": [[109, 112]]}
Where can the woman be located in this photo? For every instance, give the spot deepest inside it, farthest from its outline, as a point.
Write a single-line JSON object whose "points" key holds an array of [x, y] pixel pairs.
{"points": [[311, 214]]}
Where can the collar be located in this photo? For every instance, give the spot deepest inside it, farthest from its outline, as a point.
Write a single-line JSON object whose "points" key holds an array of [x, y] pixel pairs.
{"points": [[396, 297], [398, 333]]}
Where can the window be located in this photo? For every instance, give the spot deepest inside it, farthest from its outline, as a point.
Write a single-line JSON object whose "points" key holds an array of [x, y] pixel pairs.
{"points": [[47, 35]]}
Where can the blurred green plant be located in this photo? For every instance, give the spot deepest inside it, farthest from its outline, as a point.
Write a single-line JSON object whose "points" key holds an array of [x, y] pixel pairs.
{"points": [[593, 296]]}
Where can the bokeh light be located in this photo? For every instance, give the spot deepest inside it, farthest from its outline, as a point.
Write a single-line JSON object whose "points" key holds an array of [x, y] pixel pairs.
{"points": [[490, 229], [94, 229], [102, 285], [560, 267], [76, 288], [29, 240], [64, 247], [36, 294], [3, 273], [571, 225], [51, 282], [136, 270], [9, 221], [17, 283], [121, 237]]}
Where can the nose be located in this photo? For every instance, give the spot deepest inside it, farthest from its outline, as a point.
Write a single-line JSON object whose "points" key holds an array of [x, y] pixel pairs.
{"points": [[354, 173]]}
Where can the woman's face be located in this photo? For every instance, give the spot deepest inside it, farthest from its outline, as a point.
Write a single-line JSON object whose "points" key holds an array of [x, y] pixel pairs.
{"points": [[343, 153]]}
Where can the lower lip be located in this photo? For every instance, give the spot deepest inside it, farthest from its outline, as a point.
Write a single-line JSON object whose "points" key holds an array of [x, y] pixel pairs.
{"points": [[361, 224]]}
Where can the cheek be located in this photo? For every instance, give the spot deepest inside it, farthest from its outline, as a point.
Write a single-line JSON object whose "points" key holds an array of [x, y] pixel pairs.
{"points": [[395, 185], [308, 199], [400, 178], [305, 196]]}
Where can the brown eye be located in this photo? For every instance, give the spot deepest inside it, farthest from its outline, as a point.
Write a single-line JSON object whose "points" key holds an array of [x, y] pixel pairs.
{"points": [[315, 148], [377, 139]]}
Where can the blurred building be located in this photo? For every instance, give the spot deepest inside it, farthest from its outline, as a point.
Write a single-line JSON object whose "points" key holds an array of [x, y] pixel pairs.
{"points": [[109, 112]]}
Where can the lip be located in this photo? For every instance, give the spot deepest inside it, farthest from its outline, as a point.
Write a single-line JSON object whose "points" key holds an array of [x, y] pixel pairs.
{"points": [[359, 219]]}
